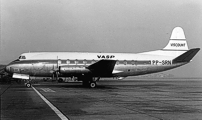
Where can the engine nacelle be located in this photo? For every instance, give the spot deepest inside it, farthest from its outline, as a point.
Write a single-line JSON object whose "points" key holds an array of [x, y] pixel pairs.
{"points": [[73, 70]]}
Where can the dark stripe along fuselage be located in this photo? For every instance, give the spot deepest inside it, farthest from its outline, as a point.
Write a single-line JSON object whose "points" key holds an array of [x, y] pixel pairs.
{"points": [[46, 68]]}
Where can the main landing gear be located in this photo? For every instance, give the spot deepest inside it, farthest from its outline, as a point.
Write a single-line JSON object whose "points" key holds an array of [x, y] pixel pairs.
{"points": [[28, 83], [90, 82]]}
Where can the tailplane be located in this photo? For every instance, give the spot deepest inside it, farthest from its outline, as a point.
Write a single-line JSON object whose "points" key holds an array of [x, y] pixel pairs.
{"points": [[177, 40], [187, 56]]}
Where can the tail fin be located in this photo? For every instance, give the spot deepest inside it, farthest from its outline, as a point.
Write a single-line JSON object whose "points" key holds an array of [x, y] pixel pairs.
{"points": [[177, 40]]}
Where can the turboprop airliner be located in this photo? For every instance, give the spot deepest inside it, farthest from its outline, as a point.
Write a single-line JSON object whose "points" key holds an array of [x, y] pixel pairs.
{"points": [[90, 67]]}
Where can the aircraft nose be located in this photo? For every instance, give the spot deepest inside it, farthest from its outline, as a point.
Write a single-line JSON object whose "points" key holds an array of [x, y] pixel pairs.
{"points": [[7, 69]]}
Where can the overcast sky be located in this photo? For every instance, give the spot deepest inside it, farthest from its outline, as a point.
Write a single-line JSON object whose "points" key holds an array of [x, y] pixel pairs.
{"points": [[99, 26]]}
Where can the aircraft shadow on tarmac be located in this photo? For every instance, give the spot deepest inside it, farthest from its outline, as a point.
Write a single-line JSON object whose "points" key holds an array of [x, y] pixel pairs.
{"points": [[74, 85], [106, 85], [140, 85]]}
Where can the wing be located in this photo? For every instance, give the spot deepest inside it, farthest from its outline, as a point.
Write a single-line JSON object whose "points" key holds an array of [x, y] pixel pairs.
{"points": [[102, 67]]}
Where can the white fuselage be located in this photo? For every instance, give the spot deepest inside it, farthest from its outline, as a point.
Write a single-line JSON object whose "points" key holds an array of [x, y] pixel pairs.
{"points": [[127, 64]]}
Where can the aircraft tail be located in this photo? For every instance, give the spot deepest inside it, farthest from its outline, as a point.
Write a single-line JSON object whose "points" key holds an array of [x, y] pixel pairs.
{"points": [[179, 44], [177, 40]]}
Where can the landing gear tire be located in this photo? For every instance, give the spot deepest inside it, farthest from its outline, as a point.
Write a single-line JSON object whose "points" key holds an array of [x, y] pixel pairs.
{"points": [[28, 85], [89, 82], [92, 84]]}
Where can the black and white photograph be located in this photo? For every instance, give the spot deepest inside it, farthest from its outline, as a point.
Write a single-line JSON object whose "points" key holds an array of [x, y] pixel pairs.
{"points": [[100, 60]]}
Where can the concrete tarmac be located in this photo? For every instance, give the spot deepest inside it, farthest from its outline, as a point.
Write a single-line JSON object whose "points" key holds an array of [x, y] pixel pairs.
{"points": [[140, 99]]}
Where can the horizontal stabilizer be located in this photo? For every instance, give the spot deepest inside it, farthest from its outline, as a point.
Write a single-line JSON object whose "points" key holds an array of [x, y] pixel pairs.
{"points": [[102, 67], [187, 56]]}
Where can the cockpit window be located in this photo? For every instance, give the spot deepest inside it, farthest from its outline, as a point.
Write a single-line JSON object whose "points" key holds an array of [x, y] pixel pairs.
{"points": [[22, 57]]}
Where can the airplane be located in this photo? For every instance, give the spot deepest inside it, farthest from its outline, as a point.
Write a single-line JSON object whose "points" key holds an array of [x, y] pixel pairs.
{"points": [[90, 67]]}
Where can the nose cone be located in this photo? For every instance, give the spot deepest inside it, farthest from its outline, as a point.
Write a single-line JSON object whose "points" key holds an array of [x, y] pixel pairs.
{"points": [[10, 67], [7, 69]]}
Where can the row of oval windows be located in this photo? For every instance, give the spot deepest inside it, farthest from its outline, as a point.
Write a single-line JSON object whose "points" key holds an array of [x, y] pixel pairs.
{"points": [[132, 62]]}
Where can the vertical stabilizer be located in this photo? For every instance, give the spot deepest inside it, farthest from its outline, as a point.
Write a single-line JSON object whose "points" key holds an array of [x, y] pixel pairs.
{"points": [[177, 40]]}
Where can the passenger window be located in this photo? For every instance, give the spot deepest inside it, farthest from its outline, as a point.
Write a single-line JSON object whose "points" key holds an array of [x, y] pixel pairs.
{"points": [[88, 62], [68, 62], [76, 61], [125, 62], [93, 61], [133, 62], [84, 62]]}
